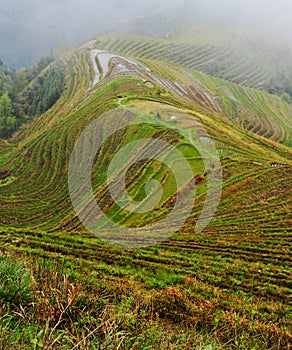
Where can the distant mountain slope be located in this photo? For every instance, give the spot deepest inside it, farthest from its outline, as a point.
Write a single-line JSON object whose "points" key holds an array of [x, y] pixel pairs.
{"points": [[6, 78], [230, 53], [245, 106], [28, 93]]}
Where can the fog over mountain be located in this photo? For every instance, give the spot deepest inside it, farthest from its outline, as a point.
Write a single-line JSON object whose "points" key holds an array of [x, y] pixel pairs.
{"points": [[30, 28]]}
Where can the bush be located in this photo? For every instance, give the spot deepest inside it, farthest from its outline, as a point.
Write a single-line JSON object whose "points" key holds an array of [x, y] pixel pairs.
{"points": [[286, 97], [15, 283]]}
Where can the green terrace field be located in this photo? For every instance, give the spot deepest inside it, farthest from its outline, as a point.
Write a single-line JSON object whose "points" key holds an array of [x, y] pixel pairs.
{"points": [[253, 109], [227, 287]]}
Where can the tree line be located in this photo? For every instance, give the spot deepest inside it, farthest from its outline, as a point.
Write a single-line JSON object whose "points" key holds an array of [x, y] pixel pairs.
{"points": [[28, 93]]}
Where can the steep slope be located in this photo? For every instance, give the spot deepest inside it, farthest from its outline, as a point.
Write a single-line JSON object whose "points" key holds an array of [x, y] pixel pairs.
{"points": [[6, 77], [240, 263], [236, 54], [28, 92], [50, 138], [251, 108]]}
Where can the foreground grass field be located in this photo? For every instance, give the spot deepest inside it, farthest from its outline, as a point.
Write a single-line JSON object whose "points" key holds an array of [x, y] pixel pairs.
{"points": [[228, 287]]}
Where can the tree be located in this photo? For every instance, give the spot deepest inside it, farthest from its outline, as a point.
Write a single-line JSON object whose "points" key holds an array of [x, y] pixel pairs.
{"points": [[286, 97], [7, 120]]}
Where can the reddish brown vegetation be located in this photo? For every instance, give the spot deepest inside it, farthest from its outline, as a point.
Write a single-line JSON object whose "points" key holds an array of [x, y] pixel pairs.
{"points": [[195, 181]]}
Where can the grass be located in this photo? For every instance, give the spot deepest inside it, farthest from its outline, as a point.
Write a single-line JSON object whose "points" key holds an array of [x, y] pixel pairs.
{"points": [[14, 283], [73, 311]]}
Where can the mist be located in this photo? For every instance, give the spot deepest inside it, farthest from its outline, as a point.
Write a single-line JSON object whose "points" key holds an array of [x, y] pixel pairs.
{"points": [[273, 17], [31, 28]]}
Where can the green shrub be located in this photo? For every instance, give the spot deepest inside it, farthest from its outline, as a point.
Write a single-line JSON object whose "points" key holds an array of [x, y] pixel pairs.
{"points": [[15, 282]]}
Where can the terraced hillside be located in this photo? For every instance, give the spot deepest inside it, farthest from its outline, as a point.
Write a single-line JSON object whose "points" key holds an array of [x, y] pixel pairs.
{"points": [[242, 57], [252, 109], [229, 285]]}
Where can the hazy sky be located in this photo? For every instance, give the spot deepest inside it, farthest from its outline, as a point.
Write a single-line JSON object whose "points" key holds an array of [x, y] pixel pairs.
{"points": [[32, 27]]}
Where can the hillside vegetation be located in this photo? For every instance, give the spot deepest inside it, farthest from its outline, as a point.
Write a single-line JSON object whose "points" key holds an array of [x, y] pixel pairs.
{"points": [[28, 93], [230, 52], [228, 287]]}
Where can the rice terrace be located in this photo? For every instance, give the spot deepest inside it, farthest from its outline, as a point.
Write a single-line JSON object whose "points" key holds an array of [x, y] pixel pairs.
{"points": [[145, 189]]}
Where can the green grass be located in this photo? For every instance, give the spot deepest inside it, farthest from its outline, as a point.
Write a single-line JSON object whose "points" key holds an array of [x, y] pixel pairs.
{"points": [[15, 284], [252, 109]]}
